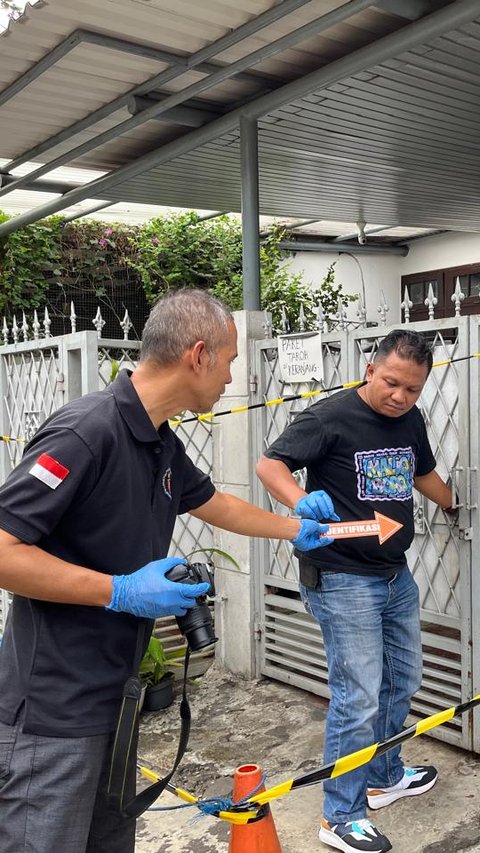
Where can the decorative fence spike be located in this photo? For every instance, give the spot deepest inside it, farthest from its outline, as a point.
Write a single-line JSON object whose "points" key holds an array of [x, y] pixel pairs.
{"points": [[47, 323], [383, 309], [15, 330], [5, 331], [362, 313], [285, 324], [430, 302], [267, 324], [320, 321], [73, 318], [457, 297], [126, 325], [36, 326], [301, 318], [24, 327], [341, 315], [98, 322], [406, 305]]}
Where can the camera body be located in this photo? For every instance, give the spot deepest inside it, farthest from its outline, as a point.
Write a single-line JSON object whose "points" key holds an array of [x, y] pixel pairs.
{"points": [[197, 624]]}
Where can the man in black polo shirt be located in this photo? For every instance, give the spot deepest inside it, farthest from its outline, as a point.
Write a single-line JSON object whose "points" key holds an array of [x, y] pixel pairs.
{"points": [[368, 448], [86, 521]]}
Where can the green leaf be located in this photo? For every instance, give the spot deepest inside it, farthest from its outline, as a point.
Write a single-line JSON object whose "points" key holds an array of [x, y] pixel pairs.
{"points": [[209, 551]]}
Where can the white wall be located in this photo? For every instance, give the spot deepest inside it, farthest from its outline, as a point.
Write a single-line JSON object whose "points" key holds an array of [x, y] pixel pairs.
{"points": [[380, 272], [444, 250], [384, 272]]}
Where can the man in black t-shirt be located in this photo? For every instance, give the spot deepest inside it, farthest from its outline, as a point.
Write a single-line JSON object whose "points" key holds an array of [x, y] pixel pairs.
{"points": [[365, 449], [86, 521]]}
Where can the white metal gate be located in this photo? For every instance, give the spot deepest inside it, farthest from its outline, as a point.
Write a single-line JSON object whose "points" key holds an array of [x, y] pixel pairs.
{"points": [[291, 647]]}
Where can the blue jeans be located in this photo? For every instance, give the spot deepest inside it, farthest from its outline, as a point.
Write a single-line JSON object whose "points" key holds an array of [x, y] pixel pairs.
{"points": [[371, 633]]}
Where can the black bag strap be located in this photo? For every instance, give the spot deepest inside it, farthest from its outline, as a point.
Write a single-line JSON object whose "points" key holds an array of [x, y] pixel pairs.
{"points": [[124, 736]]}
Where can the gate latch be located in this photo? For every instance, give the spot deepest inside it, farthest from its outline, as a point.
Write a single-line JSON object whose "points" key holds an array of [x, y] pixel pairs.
{"points": [[465, 533]]}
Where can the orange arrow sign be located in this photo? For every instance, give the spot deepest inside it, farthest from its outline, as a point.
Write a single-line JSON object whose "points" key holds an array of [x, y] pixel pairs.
{"points": [[380, 526]]}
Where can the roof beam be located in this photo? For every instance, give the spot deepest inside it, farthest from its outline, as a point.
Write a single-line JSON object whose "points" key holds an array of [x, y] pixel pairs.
{"points": [[79, 36], [287, 227], [87, 211], [185, 116], [58, 187], [40, 67], [367, 231], [411, 9], [214, 215], [240, 65], [334, 248], [270, 16], [408, 37]]}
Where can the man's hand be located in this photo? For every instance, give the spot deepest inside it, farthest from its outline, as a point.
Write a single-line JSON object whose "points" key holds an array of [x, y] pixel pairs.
{"points": [[316, 505], [452, 510], [310, 535], [148, 593]]}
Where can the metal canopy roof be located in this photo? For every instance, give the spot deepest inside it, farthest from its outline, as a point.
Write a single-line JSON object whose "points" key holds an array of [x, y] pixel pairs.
{"points": [[366, 111]]}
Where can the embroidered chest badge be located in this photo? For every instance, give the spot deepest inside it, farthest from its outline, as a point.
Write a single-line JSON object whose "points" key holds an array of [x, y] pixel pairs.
{"points": [[167, 483], [49, 471]]}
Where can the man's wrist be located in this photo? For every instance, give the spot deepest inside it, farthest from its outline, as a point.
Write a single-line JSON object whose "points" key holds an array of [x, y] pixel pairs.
{"points": [[296, 525], [297, 499]]}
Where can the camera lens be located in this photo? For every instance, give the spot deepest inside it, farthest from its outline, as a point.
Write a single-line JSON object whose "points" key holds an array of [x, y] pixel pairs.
{"points": [[197, 627]]}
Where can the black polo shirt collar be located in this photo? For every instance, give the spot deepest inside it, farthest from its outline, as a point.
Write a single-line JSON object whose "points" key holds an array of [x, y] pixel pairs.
{"points": [[133, 411]]}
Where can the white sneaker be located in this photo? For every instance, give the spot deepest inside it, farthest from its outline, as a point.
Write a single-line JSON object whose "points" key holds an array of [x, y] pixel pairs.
{"points": [[356, 835], [415, 780]]}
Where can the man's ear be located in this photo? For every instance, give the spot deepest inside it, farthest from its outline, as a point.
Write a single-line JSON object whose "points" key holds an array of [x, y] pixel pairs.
{"points": [[369, 371], [198, 355]]}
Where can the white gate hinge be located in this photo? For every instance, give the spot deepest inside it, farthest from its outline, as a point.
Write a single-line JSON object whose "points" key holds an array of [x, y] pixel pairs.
{"points": [[253, 381]]}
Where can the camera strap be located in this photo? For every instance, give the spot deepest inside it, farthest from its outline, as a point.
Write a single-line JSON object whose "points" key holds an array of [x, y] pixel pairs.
{"points": [[125, 738]]}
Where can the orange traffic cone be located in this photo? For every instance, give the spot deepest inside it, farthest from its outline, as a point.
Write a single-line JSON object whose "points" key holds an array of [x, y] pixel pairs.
{"points": [[259, 836]]}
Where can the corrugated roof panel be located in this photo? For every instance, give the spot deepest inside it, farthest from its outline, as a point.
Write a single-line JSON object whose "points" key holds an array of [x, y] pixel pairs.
{"points": [[395, 142], [99, 74]]}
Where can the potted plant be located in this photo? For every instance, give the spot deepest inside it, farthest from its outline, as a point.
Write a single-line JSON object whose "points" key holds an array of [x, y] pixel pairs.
{"points": [[156, 677]]}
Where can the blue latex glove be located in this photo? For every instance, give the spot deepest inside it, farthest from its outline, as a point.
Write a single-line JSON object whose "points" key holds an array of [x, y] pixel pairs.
{"points": [[316, 505], [148, 593], [309, 536]]}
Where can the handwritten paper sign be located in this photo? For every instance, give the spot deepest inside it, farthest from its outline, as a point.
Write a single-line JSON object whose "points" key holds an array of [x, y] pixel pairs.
{"points": [[300, 357]]}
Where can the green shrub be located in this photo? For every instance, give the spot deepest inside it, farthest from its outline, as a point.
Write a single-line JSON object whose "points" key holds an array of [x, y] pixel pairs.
{"points": [[168, 252]]}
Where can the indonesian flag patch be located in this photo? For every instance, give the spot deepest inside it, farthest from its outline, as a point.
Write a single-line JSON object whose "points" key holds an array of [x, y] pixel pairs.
{"points": [[49, 471]]}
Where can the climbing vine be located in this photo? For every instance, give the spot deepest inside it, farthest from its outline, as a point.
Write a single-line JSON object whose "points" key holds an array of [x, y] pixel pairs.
{"points": [[52, 262]]}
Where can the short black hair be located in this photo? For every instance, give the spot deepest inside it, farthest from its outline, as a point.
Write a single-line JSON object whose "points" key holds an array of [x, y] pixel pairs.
{"points": [[408, 345]]}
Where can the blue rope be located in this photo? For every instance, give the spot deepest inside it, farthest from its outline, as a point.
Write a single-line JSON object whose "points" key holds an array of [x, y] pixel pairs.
{"points": [[247, 796], [211, 805]]}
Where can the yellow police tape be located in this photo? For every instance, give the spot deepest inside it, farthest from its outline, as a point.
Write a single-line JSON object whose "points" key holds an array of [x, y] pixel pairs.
{"points": [[288, 399], [210, 415], [247, 810]]}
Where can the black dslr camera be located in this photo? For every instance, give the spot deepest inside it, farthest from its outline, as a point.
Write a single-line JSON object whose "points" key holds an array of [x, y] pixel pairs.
{"points": [[197, 624]]}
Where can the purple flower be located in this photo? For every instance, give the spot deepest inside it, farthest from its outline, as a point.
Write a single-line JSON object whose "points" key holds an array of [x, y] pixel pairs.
{"points": [[108, 232], [102, 242]]}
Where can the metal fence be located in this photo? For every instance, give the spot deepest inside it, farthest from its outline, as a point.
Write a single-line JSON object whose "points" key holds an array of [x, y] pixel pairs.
{"points": [[39, 373], [291, 647]]}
